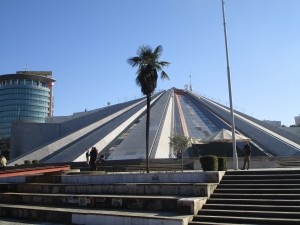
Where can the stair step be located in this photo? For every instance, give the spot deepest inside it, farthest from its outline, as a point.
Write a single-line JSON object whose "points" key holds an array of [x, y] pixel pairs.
{"points": [[90, 216], [166, 203], [211, 223], [255, 196], [281, 208], [12, 221], [262, 177], [172, 189], [45, 178], [260, 186], [280, 202], [245, 213], [263, 172], [257, 191], [269, 181], [245, 220]]}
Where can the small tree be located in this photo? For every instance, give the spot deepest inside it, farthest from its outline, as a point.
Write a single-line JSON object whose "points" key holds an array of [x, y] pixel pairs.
{"points": [[179, 143]]}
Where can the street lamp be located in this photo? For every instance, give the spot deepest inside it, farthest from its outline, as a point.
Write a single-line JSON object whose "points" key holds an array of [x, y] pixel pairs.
{"points": [[235, 158]]}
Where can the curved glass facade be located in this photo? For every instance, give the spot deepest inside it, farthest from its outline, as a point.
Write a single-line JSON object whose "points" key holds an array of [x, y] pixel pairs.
{"points": [[24, 97]]}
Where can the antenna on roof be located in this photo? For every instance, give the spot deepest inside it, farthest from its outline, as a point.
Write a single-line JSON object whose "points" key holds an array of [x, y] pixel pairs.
{"points": [[26, 67], [191, 81]]}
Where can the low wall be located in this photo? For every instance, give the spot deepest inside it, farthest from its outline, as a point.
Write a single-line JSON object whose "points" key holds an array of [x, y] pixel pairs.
{"points": [[171, 177], [257, 162]]}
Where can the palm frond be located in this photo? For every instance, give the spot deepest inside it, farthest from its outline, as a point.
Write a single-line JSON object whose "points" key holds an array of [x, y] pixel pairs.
{"points": [[163, 75], [160, 65], [144, 50], [164, 63], [134, 61], [158, 51]]}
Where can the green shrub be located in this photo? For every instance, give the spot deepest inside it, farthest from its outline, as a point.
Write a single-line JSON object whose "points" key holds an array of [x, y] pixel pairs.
{"points": [[209, 163], [35, 161], [27, 161], [222, 164]]}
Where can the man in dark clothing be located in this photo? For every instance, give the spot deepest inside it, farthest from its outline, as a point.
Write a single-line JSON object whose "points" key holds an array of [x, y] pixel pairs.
{"points": [[93, 158], [247, 154]]}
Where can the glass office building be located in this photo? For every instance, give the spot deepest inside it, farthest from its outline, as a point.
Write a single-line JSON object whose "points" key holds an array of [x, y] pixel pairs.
{"points": [[24, 96]]}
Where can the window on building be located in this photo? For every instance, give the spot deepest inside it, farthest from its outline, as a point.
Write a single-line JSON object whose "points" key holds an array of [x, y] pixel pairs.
{"points": [[22, 82]]}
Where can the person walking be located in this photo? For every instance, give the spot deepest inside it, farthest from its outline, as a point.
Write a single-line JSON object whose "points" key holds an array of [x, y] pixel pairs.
{"points": [[93, 158], [100, 161], [247, 154], [3, 162], [87, 155]]}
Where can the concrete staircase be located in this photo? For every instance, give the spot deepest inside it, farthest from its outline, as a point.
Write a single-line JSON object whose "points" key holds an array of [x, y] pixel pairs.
{"points": [[254, 197], [98, 198]]}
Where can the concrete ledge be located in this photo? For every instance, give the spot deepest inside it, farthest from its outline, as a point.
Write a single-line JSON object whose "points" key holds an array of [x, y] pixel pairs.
{"points": [[168, 189], [171, 177], [190, 205], [33, 170], [131, 219], [92, 217], [161, 203], [15, 180], [98, 177]]}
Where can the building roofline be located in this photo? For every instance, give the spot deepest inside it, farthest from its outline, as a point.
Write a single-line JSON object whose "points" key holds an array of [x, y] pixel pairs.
{"points": [[26, 76]]}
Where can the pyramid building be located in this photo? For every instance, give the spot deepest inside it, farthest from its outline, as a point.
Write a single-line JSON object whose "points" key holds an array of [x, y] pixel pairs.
{"points": [[118, 131]]}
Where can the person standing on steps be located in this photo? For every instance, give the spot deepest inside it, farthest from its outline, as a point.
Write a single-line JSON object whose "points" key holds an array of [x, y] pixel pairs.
{"points": [[247, 154], [93, 158]]}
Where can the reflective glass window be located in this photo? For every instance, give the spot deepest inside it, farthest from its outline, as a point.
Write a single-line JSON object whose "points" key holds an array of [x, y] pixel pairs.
{"points": [[44, 84]]}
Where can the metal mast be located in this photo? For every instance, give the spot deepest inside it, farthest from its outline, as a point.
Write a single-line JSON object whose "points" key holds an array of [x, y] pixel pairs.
{"points": [[235, 158], [191, 81]]}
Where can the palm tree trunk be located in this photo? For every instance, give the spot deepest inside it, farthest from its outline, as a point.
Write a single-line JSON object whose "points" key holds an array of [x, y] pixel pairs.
{"points": [[147, 132]]}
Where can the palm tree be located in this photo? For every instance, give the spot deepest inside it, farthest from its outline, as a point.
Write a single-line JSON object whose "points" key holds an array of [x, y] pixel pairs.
{"points": [[148, 65]]}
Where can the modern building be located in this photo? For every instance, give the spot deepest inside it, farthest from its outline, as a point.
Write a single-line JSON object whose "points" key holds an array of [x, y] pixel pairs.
{"points": [[118, 131], [24, 96], [297, 121]]}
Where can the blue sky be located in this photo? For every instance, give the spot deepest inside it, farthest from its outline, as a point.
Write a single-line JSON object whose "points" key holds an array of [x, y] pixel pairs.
{"points": [[86, 45]]}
